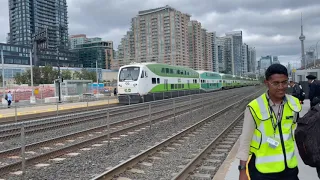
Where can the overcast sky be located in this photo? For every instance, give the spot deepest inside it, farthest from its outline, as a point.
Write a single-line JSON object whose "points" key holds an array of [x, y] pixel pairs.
{"points": [[271, 26]]}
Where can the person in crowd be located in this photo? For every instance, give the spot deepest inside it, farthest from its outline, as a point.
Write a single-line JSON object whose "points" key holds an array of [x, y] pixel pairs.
{"points": [[267, 149], [314, 90], [115, 92], [9, 98], [295, 89]]}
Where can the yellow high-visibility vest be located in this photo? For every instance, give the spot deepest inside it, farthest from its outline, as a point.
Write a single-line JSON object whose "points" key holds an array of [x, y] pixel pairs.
{"points": [[273, 159]]}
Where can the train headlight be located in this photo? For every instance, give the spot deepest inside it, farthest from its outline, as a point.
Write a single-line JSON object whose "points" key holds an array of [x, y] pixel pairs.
{"points": [[134, 85]]}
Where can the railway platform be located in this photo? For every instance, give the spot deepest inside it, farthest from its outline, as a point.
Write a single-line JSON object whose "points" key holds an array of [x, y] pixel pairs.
{"points": [[229, 169], [42, 110]]}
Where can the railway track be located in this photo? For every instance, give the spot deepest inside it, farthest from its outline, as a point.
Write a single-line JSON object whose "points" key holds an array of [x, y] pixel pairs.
{"points": [[207, 162], [42, 115], [97, 134], [11, 131], [52, 115], [144, 160]]}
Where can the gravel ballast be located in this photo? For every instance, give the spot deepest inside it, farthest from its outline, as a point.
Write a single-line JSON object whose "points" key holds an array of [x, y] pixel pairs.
{"points": [[91, 163]]}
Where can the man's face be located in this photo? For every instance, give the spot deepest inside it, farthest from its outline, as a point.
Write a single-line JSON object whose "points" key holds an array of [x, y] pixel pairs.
{"points": [[277, 85], [309, 81]]}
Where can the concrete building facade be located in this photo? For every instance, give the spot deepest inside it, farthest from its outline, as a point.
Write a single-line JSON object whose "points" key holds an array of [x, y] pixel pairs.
{"points": [[161, 35], [208, 64], [214, 47], [237, 51], [245, 58], [195, 45], [228, 64], [252, 64]]}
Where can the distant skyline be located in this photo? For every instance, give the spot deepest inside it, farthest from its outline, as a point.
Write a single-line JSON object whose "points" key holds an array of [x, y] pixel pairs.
{"points": [[271, 26]]}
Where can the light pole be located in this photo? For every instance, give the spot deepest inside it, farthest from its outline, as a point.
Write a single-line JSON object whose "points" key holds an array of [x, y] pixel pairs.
{"points": [[32, 98], [317, 52], [97, 77], [3, 88]]}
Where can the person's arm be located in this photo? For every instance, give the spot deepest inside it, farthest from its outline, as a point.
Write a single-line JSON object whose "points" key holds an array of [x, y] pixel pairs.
{"points": [[312, 91], [245, 141], [298, 91]]}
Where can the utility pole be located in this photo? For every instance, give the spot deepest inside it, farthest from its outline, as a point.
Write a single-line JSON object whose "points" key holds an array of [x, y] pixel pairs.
{"points": [[32, 98], [97, 77], [59, 76], [3, 86]]}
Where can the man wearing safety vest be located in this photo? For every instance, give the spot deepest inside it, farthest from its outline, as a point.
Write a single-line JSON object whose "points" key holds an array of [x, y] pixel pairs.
{"points": [[267, 147]]}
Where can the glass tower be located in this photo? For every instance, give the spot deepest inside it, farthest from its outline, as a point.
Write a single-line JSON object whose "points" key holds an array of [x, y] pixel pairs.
{"points": [[28, 17]]}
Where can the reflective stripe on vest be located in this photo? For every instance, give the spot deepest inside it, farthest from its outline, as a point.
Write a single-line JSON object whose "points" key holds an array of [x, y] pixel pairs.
{"points": [[268, 159]]}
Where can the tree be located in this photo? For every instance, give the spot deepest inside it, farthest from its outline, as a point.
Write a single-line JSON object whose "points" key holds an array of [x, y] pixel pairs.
{"points": [[76, 75], [66, 74], [88, 75], [20, 78], [48, 75], [43, 75]]}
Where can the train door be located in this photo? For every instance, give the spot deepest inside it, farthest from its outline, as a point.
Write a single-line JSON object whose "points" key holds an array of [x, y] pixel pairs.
{"points": [[188, 81], [166, 85]]}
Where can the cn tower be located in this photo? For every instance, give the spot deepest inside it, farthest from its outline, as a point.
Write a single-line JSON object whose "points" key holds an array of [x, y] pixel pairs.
{"points": [[302, 38]]}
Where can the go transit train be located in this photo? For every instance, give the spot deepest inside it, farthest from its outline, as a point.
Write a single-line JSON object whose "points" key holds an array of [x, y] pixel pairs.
{"points": [[141, 82]]}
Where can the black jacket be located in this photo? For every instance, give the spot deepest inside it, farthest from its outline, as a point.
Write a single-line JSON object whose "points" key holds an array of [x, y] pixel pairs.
{"points": [[314, 90], [296, 91]]}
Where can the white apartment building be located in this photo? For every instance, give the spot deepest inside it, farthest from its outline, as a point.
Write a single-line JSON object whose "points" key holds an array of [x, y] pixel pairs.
{"points": [[161, 35]]}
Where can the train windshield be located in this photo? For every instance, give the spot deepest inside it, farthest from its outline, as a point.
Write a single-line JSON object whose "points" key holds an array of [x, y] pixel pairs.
{"points": [[129, 73]]}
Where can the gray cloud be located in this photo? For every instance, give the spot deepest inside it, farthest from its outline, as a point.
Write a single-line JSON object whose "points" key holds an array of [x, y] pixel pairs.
{"points": [[272, 26]]}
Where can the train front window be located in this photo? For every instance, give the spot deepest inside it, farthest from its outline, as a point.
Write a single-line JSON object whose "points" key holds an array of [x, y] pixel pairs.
{"points": [[129, 73]]}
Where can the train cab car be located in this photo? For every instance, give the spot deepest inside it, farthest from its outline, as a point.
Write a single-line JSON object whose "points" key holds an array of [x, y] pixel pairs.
{"points": [[210, 81], [141, 82], [129, 78]]}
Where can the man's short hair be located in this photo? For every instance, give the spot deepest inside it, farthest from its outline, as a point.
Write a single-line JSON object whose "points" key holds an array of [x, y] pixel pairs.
{"points": [[276, 69]]}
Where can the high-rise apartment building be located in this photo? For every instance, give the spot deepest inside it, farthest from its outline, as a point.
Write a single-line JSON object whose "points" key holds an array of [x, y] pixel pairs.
{"points": [[252, 64], [310, 57], [220, 43], [166, 35], [229, 55], [275, 60], [28, 18], [208, 65], [97, 51], [161, 35], [8, 38], [75, 40], [126, 50], [200, 47], [157, 35], [245, 58], [195, 45], [264, 63], [237, 51], [214, 47]]}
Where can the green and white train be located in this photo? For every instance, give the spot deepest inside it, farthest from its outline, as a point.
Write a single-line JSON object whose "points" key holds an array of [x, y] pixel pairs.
{"points": [[141, 82]]}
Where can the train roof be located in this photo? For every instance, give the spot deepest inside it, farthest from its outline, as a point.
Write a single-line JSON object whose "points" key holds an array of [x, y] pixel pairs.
{"points": [[156, 64]]}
